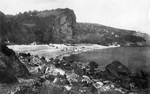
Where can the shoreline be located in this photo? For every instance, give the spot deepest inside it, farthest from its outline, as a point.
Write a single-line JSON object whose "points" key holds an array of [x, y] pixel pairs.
{"points": [[56, 50]]}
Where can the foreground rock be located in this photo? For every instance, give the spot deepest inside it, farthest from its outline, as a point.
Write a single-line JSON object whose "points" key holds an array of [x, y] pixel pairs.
{"points": [[122, 76], [61, 76], [142, 80], [7, 78], [117, 69], [10, 63]]}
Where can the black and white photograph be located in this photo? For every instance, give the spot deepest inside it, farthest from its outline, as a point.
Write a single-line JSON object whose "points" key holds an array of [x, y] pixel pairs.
{"points": [[74, 46]]}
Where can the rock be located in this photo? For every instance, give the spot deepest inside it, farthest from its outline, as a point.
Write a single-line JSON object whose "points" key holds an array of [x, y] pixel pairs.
{"points": [[142, 81], [86, 79], [45, 27], [35, 60], [117, 69], [125, 84], [7, 78], [78, 71], [98, 84], [68, 87], [38, 83], [72, 77], [24, 55], [107, 76], [42, 58], [10, 63], [94, 90], [23, 90], [93, 65]]}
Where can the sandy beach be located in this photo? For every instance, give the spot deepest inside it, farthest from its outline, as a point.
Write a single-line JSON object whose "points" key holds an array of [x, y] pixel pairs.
{"points": [[54, 50]]}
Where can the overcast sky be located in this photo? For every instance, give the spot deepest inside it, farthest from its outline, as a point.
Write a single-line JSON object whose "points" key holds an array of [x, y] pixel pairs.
{"points": [[125, 14]]}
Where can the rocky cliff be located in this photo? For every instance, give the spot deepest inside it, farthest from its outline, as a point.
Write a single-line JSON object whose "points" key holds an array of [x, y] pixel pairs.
{"points": [[44, 27], [60, 26], [10, 66], [10, 63]]}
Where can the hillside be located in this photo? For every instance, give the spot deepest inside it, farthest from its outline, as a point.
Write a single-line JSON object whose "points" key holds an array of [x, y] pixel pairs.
{"points": [[105, 35], [60, 26]]}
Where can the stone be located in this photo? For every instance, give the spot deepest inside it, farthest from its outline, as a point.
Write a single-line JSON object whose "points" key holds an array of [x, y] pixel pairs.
{"points": [[98, 84], [86, 79], [117, 69], [7, 78], [23, 90], [35, 60], [93, 65], [72, 77], [141, 81], [25, 55], [10, 63], [107, 76], [78, 71], [68, 87]]}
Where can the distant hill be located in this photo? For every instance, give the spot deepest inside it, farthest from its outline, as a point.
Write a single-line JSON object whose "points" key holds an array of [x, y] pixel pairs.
{"points": [[60, 26], [105, 35]]}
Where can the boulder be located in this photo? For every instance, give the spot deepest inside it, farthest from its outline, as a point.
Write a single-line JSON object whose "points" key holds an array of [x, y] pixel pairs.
{"points": [[93, 65], [35, 61], [117, 69], [23, 90], [78, 71], [25, 55], [106, 75], [10, 63], [141, 80]]}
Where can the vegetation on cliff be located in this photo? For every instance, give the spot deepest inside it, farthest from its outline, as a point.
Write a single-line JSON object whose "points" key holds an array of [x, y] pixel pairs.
{"points": [[60, 26]]}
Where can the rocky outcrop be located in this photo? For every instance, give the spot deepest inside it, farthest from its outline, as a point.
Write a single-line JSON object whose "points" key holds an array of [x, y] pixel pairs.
{"points": [[10, 63], [117, 69], [7, 78], [44, 27], [64, 26]]}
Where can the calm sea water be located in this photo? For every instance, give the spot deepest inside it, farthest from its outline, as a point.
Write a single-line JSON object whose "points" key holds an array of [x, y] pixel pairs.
{"points": [[135, 58]]}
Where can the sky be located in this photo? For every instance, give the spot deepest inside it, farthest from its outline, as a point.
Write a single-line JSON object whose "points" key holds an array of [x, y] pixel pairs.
{"points": [[124, 14]]}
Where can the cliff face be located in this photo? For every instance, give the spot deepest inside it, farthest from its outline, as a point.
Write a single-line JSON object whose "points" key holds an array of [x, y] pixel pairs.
{"points": [[44, 27], [59, 26], [63, 27]]}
